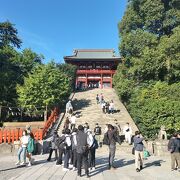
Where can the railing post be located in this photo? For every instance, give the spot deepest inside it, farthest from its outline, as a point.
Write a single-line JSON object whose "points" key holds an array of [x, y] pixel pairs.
{"points": [[16, 134], [1, 136], [12, 135], [20, 133], [5, 135], [9, 136]]}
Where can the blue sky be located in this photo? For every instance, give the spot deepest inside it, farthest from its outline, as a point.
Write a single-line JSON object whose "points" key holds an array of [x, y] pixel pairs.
{"points": [[54, 28]]}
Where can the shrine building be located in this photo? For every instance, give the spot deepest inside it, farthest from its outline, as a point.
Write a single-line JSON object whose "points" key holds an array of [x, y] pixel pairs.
{"points": [[95, 67]]}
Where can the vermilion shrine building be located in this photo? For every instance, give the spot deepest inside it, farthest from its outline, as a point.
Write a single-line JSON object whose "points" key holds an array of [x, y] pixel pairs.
{"points": [[95, 67]]}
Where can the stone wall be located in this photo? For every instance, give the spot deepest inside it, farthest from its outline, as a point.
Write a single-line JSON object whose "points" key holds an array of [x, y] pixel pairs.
{"points": [[157, 147]]}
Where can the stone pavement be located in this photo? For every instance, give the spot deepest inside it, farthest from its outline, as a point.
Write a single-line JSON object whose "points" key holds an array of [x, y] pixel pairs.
{"points": [[156, 168]]}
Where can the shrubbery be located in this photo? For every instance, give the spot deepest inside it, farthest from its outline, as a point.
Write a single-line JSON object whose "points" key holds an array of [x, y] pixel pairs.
{"points": [[147, 81]]}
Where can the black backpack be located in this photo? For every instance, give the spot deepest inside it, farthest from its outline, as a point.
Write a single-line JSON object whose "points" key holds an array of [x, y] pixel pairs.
{"points": [[60, 142], [106, 139], [95, 143], [98, 130]]}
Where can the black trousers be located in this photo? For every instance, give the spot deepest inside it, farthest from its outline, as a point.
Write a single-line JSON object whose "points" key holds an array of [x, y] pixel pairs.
{"points": [[50, 154], [82, 157], [92, 159], [59, 161], [66, 158]]}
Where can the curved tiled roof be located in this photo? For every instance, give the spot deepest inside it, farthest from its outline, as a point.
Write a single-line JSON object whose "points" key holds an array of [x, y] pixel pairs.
{"points": [[93, 54]]}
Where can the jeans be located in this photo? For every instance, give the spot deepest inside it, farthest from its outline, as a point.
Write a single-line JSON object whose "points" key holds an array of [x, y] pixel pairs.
{"points": [[74, 158], [23, 151], [112, 150]]}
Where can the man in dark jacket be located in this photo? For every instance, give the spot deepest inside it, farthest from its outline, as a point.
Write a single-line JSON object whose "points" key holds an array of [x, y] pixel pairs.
{"points": [[112, 134], [61, 147], [138, 147], [82, 150], [175, 152], [53, 146]]}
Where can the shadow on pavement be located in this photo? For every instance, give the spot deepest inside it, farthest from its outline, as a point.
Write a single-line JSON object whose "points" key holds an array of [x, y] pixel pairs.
{"points": [[12, 168], [79, 104], [102, 165], [154, 163]]}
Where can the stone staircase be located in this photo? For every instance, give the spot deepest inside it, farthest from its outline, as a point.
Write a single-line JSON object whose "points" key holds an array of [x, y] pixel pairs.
{"points": [[89, 111]]}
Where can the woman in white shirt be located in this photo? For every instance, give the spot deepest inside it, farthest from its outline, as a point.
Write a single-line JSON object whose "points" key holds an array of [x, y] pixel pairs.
{"points": [[67, 149], [92, 150], [23, 149]]}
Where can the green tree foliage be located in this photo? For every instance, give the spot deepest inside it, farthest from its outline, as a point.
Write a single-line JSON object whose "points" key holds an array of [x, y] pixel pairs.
{"points": [[156, 105], [150, 47], [8, 35], [45, 86], [10, 75], [25, 81], [14, 66], [70, 71]]}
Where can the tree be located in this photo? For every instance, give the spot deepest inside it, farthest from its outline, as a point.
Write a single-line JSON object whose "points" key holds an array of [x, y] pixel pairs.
{"points": [[70, 71], [45, 86], [8, 35], [13, 67], [10, 75], [147, 81]]}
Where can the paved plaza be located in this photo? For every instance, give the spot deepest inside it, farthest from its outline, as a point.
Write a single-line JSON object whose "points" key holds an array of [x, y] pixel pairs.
{"points": [[155, 168]]}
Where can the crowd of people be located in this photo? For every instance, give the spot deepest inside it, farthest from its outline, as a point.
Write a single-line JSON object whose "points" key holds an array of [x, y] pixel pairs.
{"points": [[76, 148], [107, 107]]}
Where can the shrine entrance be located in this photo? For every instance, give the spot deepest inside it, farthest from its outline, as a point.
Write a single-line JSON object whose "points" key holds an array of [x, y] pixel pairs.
{"points": [[93, 83]]}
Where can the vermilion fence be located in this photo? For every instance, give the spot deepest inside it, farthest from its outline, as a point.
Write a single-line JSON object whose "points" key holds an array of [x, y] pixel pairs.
{"points": [[11, 135], [52, 118]]}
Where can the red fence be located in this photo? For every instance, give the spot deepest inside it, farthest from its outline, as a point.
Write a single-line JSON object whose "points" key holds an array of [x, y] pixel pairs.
{"points": [[11, 135]]}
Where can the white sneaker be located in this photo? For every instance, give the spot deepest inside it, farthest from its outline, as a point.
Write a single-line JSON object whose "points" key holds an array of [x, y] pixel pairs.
{"points": [[29, 164], [89, 169], [74, 169], [65, 169], [70, 166], [93, 168], [18, 163], [22, 163]]}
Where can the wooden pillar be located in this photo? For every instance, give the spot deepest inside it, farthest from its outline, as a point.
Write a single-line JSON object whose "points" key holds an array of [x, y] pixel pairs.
{"points": [[111, 80], [86, 84], [101, 81]]}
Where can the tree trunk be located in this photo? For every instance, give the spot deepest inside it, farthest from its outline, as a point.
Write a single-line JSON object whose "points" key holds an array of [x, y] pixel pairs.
{"points": [[45, 114]]}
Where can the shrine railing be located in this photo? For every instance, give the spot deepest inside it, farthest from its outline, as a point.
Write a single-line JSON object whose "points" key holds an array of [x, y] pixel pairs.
{"points": [[11, 135]]}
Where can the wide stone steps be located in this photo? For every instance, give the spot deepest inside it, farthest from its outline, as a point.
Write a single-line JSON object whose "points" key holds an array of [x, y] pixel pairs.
{"points": [[89, 111]]}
